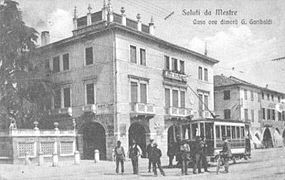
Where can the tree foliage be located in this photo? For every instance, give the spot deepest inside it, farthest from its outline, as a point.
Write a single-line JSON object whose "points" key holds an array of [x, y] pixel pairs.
{"points": [[23, 89]]}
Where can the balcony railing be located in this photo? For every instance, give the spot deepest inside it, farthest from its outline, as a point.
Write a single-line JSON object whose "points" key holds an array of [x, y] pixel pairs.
{"points": [[174, 75], [62, 111], [89, 108], [176, 111], [142, 108]]}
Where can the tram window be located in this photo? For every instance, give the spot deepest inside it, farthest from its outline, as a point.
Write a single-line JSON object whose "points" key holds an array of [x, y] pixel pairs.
{"points": [[242, 132], [228, 131], [202, 129], [238, 132], [233, 132], [209, 130], [218, 133], [223, 131], [194, 129]]}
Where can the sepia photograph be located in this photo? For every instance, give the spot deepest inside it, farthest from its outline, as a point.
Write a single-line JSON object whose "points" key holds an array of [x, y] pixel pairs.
{"points": [[131, 89]]}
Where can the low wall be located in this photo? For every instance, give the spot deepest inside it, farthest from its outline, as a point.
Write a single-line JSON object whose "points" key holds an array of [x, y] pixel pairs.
{"points": [[15, 144]]}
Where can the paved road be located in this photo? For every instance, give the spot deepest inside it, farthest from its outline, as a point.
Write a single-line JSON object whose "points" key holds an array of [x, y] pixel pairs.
{"points": [[265, 164]]}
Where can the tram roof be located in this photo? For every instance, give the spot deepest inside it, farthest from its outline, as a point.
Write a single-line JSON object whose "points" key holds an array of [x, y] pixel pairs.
{"points": [[217, 120]]}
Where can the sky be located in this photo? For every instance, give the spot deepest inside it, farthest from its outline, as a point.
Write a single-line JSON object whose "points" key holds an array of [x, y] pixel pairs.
{"points": [[244, 50]]}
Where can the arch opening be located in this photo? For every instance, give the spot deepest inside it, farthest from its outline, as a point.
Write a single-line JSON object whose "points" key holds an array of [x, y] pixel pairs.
{"points": [[94, 137], [138, 133], [267, 139]]}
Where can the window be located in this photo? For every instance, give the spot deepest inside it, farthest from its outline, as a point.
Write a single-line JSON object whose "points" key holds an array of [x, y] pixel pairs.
{"points": [[142, 57], [263, 113], [233, 132], [242, 132], [133, 54], [182, 68], [268, 96], [200, 104], [245, 94], [227, 114], [246, 114], [47, 67], [272, 97], [252, 115], [273, 114], [283, 115], [251, 95], [167, 63], [90, 93], [279, 116], [206, 101], [229, 131], [175, 98], [218, 133], [89, 56], [66, 97], [238, 132], [57, 99], [227, 94], [65, 59], [174, 65], [268, 114], [205, 74], [262, 95], [56, 67], [279, 99], [200, 76], [182, 99], [134, 92], [143, 93], [223, 131], [258, 97], [167, 97]]}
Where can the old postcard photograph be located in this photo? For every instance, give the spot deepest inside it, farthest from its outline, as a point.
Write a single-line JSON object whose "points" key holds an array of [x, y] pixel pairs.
{"points": [[131, 89]]}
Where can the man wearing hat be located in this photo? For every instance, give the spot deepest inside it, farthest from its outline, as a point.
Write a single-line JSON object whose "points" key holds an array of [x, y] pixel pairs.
{"points": [[226, 153], [155, 159], [148, 150], [185, 155]]}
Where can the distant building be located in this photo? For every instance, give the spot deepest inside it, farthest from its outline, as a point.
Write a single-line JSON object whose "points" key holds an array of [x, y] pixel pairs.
{"points": [[260, 108], [120, 82]]}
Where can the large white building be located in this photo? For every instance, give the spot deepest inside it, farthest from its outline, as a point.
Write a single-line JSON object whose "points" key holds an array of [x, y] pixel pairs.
{"points": [[120, 82]]}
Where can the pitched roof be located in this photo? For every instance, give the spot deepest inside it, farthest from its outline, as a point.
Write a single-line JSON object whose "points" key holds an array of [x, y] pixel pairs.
{"points": [[221, 81]]}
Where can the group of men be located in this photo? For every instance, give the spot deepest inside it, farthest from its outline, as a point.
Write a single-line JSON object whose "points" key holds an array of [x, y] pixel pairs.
{"points": [[153, 153], [181, 150]]}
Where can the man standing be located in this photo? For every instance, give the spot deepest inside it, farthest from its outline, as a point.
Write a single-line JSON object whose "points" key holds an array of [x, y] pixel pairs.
{"points": [[226, 153], [134, 153], [149, 150], [204, 154], [185, 154], [119, 156], [197, 155], [155, 159]]}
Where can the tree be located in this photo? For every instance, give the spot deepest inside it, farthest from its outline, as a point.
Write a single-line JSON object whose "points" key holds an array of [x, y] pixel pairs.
{"points": [[23, 88]]}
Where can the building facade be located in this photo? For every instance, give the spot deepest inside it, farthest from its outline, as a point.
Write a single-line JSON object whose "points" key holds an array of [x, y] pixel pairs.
{"points": [[120, 82], [260, 108]]}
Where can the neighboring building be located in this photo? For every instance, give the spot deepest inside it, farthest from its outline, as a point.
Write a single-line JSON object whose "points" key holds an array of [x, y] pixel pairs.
{"points": [[256, 106], [120, 82]]}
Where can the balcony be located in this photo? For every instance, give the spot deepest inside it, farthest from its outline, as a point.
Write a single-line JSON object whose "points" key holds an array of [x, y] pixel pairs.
{"points": [[89, 108], [205, 114], [142, 109], [178, 112], [62, 111], [178, 76], [98, 108]]}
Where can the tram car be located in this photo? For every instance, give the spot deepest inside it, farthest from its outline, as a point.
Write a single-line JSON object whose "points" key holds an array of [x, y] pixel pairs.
{"points": [[213, 130]]}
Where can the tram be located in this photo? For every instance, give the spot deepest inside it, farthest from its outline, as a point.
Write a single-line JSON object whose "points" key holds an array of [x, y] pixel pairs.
{"points": [[213, 130]]}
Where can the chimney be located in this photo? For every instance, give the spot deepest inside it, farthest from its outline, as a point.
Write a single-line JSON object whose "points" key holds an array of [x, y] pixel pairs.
{"points": [[206, 50], [104, 11], [75, 19], [139, 25], [45, 38], [89, 22], [151, 26], [124, 20], [110, 12]]}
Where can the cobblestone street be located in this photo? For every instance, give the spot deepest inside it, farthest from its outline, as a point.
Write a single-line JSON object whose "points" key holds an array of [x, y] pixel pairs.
{"points": [[265, 164]]}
